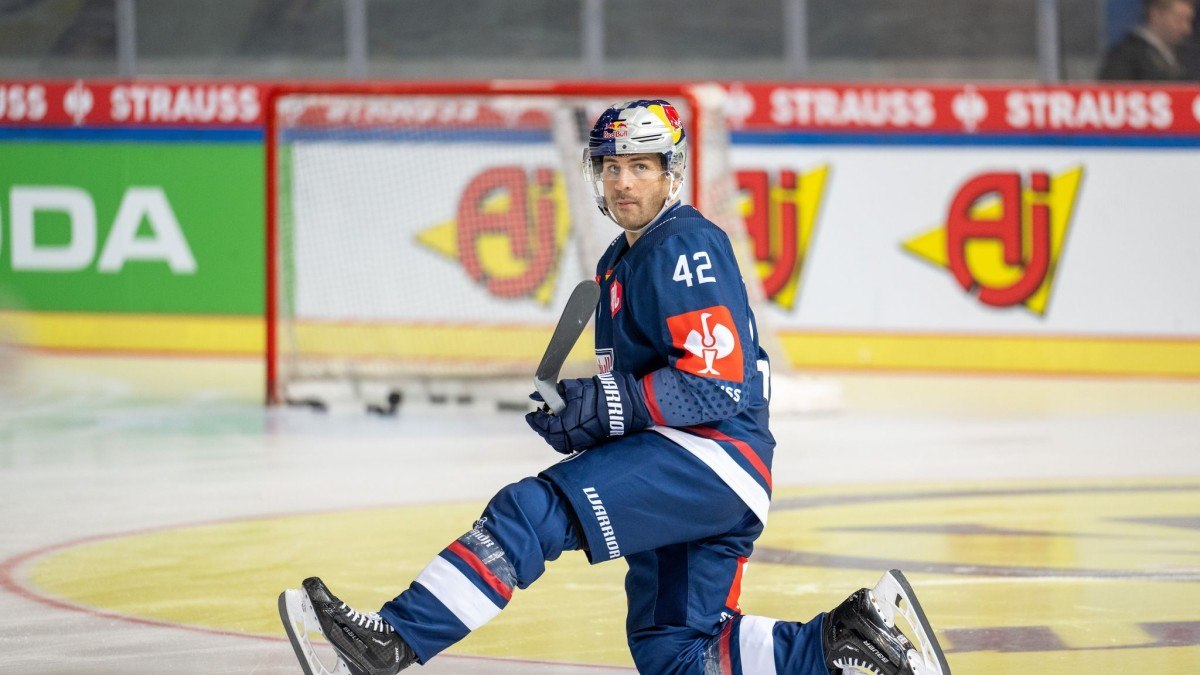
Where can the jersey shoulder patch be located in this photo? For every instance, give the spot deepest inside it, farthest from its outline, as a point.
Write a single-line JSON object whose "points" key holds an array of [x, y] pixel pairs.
{"points": [[709, 340]]}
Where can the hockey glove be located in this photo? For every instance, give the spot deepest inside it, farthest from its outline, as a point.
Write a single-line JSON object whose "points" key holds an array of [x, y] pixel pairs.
{"points": [[600, 407]]}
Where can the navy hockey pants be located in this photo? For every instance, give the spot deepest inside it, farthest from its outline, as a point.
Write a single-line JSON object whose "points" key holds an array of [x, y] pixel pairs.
{"points": [[684, 534]]}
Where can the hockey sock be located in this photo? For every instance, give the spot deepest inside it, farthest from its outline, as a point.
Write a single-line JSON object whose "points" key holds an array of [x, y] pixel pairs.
{"points": [[764, 645], [471, 580]]}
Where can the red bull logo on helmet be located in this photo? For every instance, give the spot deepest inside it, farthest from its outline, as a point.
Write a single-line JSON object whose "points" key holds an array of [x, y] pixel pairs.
{"points": [[617, 129]]}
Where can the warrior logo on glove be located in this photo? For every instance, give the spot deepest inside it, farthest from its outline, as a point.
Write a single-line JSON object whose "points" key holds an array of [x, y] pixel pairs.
{"points": [[598, 408]]}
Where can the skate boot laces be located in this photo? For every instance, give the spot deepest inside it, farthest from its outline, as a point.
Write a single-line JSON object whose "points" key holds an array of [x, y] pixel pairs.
{"points": [[370, 621]]}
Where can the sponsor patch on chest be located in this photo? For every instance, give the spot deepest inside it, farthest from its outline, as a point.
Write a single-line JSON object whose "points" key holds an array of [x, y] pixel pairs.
{"points": [[616, 294]]}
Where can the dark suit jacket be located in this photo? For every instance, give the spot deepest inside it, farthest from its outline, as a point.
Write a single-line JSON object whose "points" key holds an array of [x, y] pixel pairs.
{"points": [[1133, 58]]}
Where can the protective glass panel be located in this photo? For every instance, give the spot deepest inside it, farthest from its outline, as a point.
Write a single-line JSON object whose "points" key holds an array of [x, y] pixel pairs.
{"points": [[57, 38], [255, 38]]}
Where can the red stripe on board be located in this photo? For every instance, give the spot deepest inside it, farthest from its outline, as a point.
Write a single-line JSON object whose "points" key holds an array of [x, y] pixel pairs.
{"points": [[651, 402], [476, 564], [742, 447]]}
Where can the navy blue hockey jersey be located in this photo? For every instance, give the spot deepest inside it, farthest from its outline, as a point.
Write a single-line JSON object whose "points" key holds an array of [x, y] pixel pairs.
{"points": [[674, 312]]}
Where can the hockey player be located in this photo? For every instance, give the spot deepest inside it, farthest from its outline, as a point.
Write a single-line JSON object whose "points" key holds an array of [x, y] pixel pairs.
{"points": [[668, 466]]}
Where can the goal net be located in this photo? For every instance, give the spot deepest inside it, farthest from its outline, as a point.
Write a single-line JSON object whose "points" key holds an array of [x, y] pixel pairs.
{"points": [[422, 239]]}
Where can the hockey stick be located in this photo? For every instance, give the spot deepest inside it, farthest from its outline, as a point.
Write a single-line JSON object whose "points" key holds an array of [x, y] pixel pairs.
{"points": [[580, 307]]}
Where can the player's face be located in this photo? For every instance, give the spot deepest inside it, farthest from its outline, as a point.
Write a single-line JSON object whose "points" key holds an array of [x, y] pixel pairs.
{"points": [[635, 188], [1173, 23]]}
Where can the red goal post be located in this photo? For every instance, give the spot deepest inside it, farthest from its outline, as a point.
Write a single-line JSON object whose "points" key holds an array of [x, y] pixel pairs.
{"points": [[426, 233]]}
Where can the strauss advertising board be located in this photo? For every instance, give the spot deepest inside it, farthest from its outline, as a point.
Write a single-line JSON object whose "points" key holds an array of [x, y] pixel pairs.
{"points": [[978, 228], [964, 227], [131, 216]]}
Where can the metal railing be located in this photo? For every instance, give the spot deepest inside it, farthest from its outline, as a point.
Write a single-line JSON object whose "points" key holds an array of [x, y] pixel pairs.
{"points": [[761, 39]]}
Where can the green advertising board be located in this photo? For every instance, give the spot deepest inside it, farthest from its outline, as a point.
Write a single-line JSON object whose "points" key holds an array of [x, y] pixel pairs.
{"points": [[130, 226]]}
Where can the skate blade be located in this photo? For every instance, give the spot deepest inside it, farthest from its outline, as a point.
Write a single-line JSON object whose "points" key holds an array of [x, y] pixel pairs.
{"points": [[893, 596], [300, 620]]}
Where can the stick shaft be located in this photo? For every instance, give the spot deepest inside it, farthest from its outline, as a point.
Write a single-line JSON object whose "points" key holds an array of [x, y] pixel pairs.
{"points": [[579, 308]]}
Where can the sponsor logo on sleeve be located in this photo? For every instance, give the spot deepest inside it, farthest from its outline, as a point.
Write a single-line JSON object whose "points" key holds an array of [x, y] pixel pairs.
{"points": [[710, 343]]}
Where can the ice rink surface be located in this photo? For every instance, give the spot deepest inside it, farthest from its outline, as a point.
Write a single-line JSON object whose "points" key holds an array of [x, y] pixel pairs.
{"points": [[151, 510]]}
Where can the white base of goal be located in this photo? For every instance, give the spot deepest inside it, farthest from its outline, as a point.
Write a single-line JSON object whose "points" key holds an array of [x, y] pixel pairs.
{"points": [[391, 397], [790, 395]]}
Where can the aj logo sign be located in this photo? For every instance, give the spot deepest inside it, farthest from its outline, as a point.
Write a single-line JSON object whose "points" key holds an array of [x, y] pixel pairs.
{"points": [[780, 209], [1003, 236], [510, 226]]}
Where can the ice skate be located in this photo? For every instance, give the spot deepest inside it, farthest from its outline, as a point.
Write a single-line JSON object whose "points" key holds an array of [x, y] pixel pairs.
{"points": [[861, 635], [365, 644]]}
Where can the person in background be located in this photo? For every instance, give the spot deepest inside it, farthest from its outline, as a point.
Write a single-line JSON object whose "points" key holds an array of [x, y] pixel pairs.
{"points": [[1149, 50], [1189, 52]]}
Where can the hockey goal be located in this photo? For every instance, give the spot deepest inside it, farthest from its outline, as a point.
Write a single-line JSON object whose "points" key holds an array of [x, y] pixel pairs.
{"points": [[422, 238]]}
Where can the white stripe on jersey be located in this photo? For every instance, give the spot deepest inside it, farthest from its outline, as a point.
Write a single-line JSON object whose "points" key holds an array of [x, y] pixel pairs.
{"points": [[728, 470], [457, 593], [757, 643]]}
